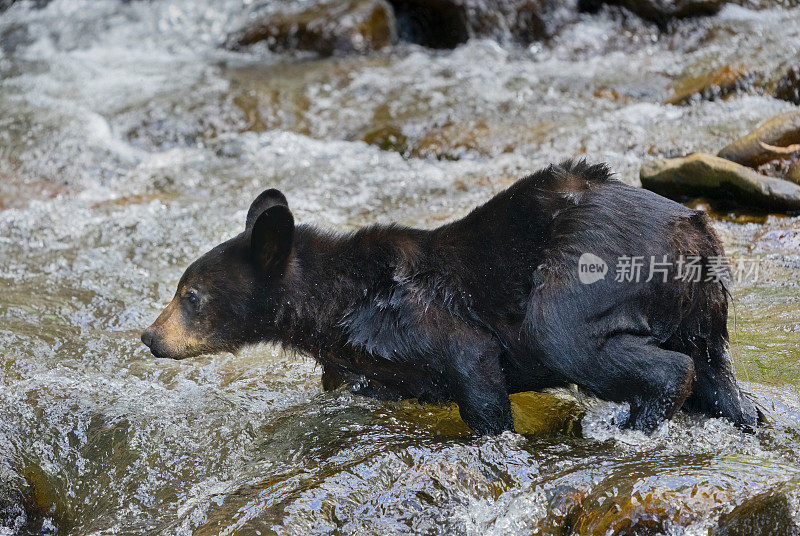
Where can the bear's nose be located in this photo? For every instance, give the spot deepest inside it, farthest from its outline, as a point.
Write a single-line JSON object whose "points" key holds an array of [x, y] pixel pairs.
{"points": [[147, 338]]}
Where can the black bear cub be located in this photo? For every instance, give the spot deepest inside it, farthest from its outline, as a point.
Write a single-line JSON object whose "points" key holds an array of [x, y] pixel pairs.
{"points": [[567, 277]]}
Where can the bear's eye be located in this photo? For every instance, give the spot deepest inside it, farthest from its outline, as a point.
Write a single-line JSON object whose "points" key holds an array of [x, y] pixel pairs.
{"points": [[192, 297]]}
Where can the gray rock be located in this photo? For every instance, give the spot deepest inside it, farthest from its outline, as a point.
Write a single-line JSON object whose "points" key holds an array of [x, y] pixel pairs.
{"points": [[704, 175]]}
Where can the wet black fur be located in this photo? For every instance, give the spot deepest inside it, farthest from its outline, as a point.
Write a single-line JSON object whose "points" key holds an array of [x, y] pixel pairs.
{"points": [[487, 305]]}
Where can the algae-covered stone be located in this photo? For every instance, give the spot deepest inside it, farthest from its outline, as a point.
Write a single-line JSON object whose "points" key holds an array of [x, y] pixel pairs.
{"points": [[717, 84], [546, 413], [534, 414], [779, 131], [706, 175], [353, 26]]}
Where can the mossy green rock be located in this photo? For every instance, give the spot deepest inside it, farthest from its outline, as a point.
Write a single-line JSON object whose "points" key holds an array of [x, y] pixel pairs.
{"points": [[702, 174]]}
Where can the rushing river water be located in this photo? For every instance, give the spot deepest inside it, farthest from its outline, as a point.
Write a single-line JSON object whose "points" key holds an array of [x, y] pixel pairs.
{"points": [[130, 142]]}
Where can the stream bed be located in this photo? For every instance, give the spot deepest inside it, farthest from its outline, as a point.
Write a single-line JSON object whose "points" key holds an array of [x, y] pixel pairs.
{"points": [[131, 142]]}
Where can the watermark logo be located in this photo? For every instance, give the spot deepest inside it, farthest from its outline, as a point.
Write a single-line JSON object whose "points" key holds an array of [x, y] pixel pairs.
{"points": [[687, 268], [591, 268]]}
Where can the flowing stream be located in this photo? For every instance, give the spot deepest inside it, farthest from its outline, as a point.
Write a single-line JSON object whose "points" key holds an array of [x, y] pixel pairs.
{"points": [[131, 142]]}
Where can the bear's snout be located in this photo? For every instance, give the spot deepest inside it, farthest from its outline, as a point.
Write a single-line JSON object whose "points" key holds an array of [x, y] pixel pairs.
{"points": [[149, 339]]}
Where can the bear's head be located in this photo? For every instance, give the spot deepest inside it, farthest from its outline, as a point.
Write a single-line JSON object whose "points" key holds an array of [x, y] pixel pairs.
{"points": [[228, 297]]}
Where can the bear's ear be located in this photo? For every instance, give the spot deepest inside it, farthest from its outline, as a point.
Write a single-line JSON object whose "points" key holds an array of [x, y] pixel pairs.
{"points": [[271, 238], [267, 198]]}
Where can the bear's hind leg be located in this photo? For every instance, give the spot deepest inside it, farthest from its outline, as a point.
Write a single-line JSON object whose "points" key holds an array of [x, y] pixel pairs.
{"points": [[628, 368], [658, 380]]}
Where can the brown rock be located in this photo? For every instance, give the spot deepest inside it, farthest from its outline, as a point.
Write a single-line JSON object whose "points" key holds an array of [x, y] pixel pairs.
{"points": [[780, 131], [717, 84], [704, 175], [789, 86], [354, 26]]}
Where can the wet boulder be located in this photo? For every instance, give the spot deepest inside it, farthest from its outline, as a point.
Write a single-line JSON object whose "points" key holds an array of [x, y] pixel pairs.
{"points": [[717, 84], [448, 23], [772, 513], [432, 23], [659, 11], [704, 175], [758, 147], [354, 26], [789, 86]]}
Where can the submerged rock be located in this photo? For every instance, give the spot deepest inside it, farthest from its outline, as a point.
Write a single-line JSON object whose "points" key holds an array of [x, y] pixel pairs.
{"points": [[772, 513], [717, 84], [387, 139], [716, 178], [659, 11], [789, 86], [780, 131], [354, 26], [455, 140], [459, 139]]}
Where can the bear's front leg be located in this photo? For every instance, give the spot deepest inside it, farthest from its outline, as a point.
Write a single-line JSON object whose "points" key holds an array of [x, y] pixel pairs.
{"points": [[478, 386]]}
